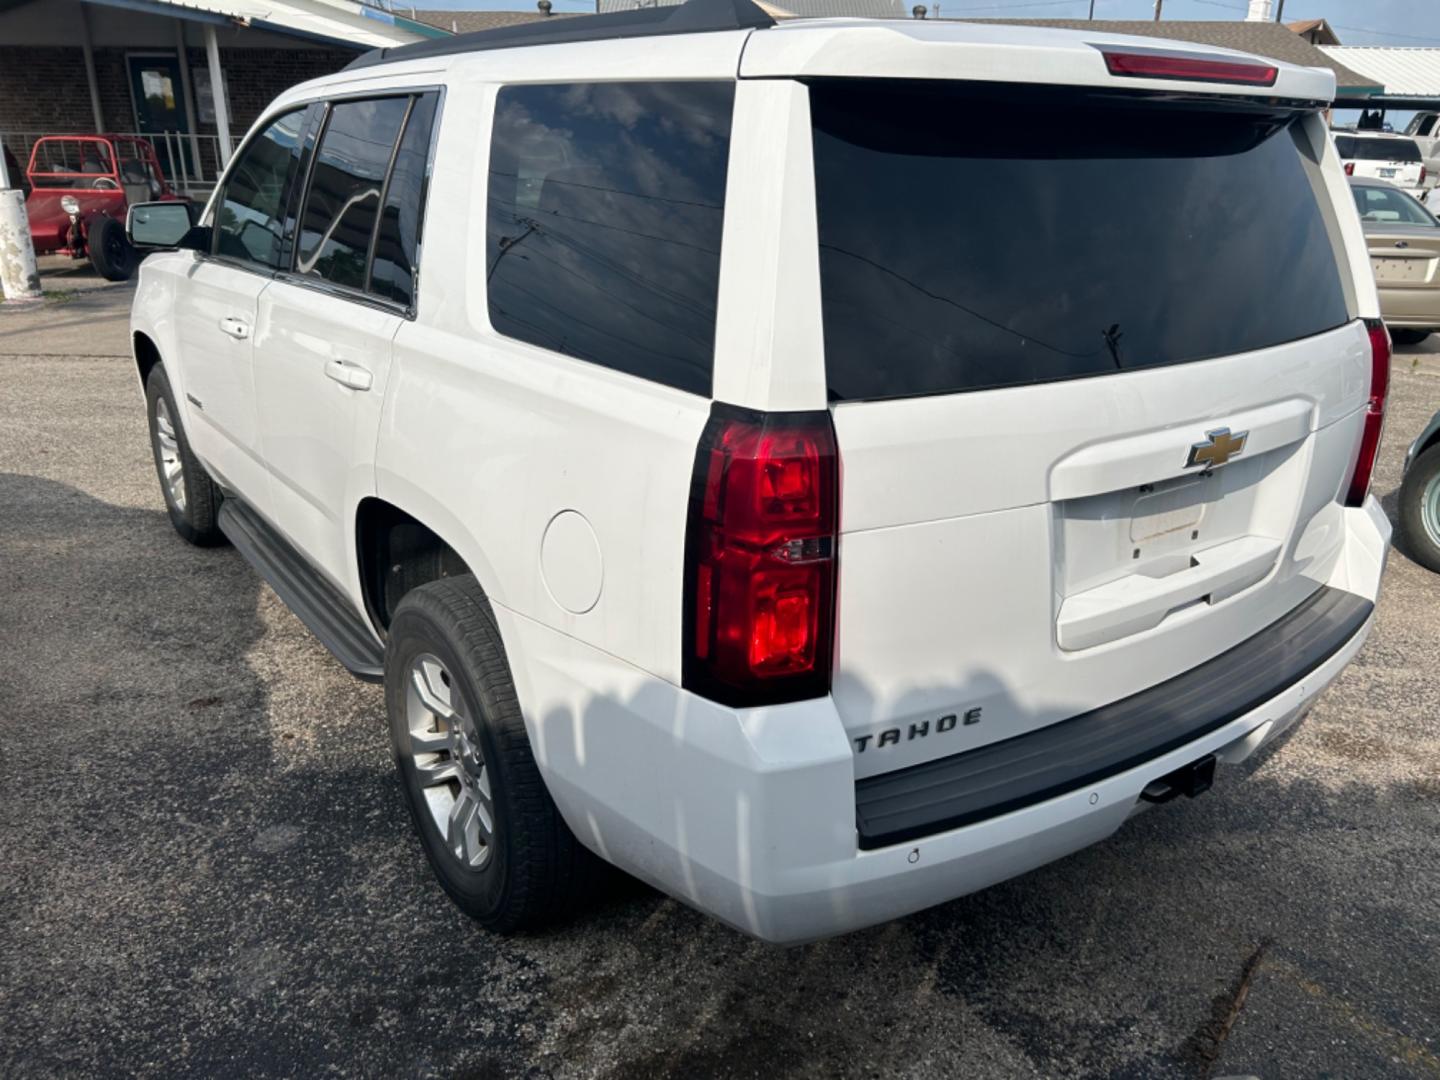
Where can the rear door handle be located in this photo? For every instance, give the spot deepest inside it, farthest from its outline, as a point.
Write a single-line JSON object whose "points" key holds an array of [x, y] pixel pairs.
{"points": [[352, 375], [239, 329]]}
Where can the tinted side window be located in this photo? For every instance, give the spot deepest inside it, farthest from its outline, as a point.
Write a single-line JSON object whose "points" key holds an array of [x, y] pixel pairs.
{"points": [[248, 224], [393, 274], [344, 197], [605, 208]]}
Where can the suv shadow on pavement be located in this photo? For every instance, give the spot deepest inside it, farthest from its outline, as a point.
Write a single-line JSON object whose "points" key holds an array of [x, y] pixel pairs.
{"points": [[188, 890], [158, 837]]}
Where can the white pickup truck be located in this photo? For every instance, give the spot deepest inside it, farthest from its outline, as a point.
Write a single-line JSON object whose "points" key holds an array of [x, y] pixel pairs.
{"points": [[1425, 130]]}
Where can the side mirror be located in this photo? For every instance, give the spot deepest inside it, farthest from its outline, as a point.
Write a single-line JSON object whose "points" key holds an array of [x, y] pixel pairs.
{"points": [[163, 225]]}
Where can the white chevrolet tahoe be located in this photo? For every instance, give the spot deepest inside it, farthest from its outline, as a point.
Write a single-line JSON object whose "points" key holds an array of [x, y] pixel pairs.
{"points": [[750, 459]]}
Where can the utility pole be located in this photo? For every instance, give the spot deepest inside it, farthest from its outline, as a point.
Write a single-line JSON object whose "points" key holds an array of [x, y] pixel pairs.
{"points": [[19, 277], [1279, 11], [1092, 10], [1158, 5]]}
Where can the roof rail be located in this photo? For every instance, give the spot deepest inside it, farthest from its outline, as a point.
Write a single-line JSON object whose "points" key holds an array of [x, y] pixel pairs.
{"points": [[691, 17]]}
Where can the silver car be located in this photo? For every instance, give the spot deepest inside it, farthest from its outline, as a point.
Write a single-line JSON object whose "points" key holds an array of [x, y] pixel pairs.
{"points": [[1420, 497], [1404, 242]]}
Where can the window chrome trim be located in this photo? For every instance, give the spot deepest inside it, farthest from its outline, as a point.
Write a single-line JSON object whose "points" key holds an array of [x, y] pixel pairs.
{"points": [[430, 153], [344, 292]]}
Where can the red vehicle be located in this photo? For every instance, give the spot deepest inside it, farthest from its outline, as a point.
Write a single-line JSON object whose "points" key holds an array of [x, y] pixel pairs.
{"points": [[81, 187]]}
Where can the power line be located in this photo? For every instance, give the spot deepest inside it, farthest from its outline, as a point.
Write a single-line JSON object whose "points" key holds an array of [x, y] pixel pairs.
{"points": [[1335, 25], [1013, 7], [1384, 33]]}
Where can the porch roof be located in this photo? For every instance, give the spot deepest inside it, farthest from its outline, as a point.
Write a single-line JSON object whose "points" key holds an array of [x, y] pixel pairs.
{"points": [[331, 22]]}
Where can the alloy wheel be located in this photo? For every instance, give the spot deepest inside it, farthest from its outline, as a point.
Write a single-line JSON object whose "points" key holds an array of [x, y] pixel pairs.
{"points": [[172, 469], [449, 762], [1430, 508]]}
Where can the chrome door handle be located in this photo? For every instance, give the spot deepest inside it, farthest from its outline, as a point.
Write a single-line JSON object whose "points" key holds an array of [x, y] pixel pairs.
{"points": [[236, 328], [352, 375]]}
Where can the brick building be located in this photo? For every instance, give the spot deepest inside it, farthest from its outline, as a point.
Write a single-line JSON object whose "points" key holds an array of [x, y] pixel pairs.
{"points": [[77, 66]]}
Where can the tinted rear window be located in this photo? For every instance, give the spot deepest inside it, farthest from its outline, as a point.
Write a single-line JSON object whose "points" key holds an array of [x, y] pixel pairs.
{"points": [[605, 209], [1353, 148], [969, 242]]}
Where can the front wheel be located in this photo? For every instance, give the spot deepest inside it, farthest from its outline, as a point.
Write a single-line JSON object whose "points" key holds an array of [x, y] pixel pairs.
{"points": [[1409, 337], [489, 828], [1420, 508], [191, 497], [110, 251]]}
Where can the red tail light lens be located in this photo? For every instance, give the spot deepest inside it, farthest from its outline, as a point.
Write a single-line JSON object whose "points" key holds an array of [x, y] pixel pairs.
{"points": [[760, 558], [1374, 413], [1349, 168], [1165, 65], [1423, 174]]}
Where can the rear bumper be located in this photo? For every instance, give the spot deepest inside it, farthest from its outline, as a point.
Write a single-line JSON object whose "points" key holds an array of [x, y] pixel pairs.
{"points": [[984, 783], [1411, 309], [751, 816]]}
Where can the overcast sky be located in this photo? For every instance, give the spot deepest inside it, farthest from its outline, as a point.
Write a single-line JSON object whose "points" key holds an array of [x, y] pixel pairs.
{"points": [[1358, 22]]}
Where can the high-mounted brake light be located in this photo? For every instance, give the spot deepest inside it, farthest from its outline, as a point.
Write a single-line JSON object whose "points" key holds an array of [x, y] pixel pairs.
{"points": [[1374, 413], [760, 558], [1167, 65]]}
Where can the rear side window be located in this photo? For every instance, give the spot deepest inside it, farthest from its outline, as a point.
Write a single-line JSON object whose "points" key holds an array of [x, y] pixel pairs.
{"points": [[248, 223], [397, 244], [343, 203], [972, 253], [1354, 148], [606, 202]]}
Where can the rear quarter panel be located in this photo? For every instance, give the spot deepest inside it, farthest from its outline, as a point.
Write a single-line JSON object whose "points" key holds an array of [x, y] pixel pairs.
{"points": [[488, 440]]}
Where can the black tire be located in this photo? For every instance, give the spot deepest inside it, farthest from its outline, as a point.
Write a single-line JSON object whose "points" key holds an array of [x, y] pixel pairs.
{"points": [[1408, 337], [196, 519], [110, 251], [535, 871], [1422, 541]]}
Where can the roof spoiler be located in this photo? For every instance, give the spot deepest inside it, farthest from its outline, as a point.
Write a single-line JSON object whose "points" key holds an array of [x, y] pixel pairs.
{"points": [[691, 17]]}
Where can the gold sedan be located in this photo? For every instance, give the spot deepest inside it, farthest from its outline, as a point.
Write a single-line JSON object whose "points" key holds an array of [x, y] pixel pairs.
{"points": [[1404, 242]]}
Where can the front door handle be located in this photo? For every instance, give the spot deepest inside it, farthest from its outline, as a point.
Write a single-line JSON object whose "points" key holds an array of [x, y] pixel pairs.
{"points": [[352, 375], [239, 329]]}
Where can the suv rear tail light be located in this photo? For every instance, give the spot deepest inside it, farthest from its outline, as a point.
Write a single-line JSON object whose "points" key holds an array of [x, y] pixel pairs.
{"points": [[1423, 174], [760, 558], [1157, 64], [1374, 413], [1349, 168]]}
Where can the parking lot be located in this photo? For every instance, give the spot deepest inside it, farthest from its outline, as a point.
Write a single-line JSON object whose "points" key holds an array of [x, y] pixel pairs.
{"points": [[206, 866]]}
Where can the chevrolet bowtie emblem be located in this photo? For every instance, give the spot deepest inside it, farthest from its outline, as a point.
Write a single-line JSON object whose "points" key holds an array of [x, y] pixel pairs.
{"points": [[1218, 448]]}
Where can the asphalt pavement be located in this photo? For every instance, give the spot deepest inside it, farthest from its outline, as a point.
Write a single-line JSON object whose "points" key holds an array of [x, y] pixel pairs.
{"points": [[206, 867]]}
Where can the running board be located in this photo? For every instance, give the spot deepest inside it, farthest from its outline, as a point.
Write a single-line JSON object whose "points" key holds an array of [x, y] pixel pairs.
{"points": [[318, 604]]}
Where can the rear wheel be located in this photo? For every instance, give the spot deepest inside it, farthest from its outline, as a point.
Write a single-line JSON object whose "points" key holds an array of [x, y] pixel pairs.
{"points": [[489, 828], [1409, 337], [110, 251], [1420, 508], [191, 497]]}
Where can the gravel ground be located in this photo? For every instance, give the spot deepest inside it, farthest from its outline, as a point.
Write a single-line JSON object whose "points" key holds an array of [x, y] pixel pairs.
{"points": [[205, 866]]}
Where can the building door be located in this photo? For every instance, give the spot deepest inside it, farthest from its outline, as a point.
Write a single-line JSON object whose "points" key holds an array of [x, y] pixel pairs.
{"points": [[158, 93]]}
